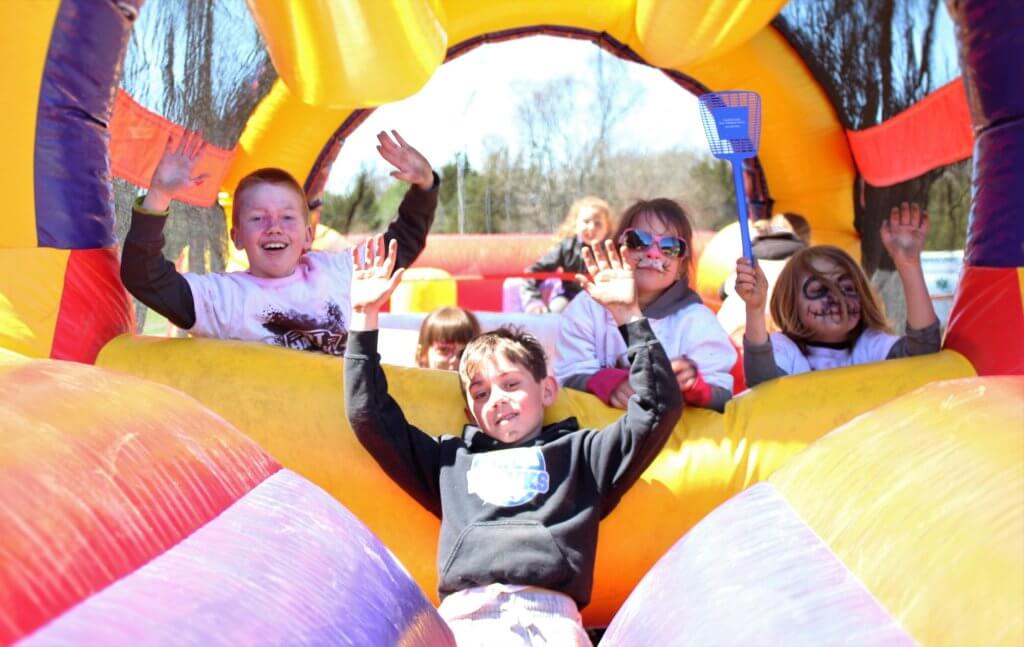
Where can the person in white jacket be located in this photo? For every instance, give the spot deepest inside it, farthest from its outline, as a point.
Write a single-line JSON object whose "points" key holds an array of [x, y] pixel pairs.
{"points": [[591, 352]]}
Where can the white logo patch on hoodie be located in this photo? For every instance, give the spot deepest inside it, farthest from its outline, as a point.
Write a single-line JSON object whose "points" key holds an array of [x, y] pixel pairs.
{"points": [[508, 477]]}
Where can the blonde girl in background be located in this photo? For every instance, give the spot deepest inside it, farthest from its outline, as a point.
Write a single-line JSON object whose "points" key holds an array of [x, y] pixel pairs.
{"points": [[587, 223]]}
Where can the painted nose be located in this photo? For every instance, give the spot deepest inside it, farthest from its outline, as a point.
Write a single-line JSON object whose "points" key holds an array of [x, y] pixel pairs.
{"points": [[654, 251]]}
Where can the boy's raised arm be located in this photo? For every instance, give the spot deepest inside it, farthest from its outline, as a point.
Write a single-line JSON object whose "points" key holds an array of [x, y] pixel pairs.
{"points": [[416, 213], [620, 453], [408, 455], [145, 272]]}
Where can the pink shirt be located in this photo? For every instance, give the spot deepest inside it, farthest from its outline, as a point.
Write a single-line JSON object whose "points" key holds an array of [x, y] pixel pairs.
{"points": [[309, 310]]}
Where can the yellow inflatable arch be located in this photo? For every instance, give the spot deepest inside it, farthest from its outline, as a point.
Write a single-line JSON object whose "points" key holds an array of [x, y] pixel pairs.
{"points": [[335, 59]]}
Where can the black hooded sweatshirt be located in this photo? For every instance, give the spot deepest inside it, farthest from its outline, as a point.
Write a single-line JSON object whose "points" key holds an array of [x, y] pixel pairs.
{"points": [[526, 513]]}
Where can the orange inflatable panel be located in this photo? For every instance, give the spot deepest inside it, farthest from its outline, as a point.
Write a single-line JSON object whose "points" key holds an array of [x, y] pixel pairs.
{"points": [[137, 140]]}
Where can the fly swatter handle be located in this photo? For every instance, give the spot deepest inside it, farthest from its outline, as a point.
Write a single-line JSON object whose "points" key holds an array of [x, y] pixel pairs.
{"points": [[741, 203]]}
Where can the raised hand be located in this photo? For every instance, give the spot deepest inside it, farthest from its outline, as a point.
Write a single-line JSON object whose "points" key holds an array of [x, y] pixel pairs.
{"points": [[904, 233], [410, 165], [751, 284], [174, 171], [612, 282], [372, 278]]}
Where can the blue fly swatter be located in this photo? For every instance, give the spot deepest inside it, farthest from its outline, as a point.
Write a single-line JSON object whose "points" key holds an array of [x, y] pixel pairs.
{"points": [[732, 123]]}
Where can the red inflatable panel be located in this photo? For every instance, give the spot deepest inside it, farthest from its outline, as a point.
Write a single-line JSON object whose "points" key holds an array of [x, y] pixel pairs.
{"points": [[100, 473], [479, 254], [933, 132], [986, 324], [480, 263], [94, 307]]}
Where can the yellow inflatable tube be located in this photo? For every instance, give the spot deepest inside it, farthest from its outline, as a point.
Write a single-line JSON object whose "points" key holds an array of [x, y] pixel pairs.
{"points": [[291, 403], [22, 57], [715, 27], [344, 53]]}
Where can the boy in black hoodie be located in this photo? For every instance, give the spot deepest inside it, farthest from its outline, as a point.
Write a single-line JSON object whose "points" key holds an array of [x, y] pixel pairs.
{"points": [[519, 501]]}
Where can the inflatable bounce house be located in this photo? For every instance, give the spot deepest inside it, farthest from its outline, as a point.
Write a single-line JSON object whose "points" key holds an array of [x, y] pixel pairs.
{"points": [[194, 491]]}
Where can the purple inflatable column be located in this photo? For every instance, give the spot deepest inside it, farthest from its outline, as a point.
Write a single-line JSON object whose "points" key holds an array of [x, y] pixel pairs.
{"points": [[987, 319]]}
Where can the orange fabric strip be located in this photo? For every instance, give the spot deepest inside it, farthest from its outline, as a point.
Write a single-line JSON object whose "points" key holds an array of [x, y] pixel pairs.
{"points": [[137, 140], [933, 132]]}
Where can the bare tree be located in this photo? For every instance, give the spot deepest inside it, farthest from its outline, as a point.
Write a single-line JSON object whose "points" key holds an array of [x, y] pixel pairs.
{"points": [[875, 59], [568, 128], [572, 146], [340, 211]]}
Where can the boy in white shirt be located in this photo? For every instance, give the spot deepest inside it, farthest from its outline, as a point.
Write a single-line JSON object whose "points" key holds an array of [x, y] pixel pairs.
{"points": [[290, 296]]}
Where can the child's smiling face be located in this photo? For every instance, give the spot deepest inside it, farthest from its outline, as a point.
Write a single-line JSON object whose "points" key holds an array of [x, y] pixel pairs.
{"points": [[507, 402], [655, 271], [819, 309], [271, 226]]}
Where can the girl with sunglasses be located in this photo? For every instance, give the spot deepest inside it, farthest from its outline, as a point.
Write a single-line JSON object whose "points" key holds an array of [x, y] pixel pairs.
{"points": [[828, 315], [657, 235]]}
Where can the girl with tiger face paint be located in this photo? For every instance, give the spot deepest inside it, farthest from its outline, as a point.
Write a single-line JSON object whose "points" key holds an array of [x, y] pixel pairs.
{"points": [[826, 311]]}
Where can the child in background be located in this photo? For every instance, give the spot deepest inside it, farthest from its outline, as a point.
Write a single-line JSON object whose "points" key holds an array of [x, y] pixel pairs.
{"points": [[519, 501], [828, 315], [588, 222], [657, 235], [444, 334], [290, 296]]}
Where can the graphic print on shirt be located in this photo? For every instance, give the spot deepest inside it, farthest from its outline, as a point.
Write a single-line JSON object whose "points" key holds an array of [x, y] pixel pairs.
{"points": [[508, 477], [302, 331]]}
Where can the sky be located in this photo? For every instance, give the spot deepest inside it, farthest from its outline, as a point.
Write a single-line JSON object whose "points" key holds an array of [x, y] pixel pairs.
{"points": [[474, 97]]}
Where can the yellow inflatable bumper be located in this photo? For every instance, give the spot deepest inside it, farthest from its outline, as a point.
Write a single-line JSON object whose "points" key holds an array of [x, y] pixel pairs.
{"points": [[291, 403]]}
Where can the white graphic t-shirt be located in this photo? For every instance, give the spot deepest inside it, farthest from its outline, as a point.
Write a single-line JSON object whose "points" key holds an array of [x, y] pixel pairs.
{"points": [[308, 310]]}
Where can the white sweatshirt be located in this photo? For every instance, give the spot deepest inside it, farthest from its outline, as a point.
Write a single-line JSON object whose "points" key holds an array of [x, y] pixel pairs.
{"points": [[589, 341]]}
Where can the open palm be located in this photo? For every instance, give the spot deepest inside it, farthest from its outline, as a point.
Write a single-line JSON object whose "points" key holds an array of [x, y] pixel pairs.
{"points": [[410, 165], [174, 170], [372, 278], [611, 282], [905, 232]]}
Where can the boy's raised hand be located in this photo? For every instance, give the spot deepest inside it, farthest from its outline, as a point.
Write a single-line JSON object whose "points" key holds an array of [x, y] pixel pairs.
{"points": [[751, 284], [410, 165], [904, 233], [612, 282], [372, 278], [174, 171]]}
